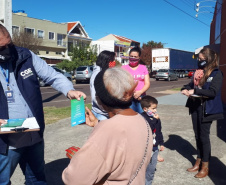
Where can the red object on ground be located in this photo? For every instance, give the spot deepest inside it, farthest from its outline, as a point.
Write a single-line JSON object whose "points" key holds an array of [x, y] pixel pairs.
{"points": [[71, 151]]}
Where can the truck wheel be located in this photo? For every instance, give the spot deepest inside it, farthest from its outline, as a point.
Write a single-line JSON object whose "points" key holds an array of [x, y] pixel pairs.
{"points": [[157, 79]]}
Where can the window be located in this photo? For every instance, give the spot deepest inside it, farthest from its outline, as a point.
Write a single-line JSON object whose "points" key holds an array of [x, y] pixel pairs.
{"points": [[15, 30], [51, 36], [60, 39], [29, 30], [40, 34], [47, 52]]}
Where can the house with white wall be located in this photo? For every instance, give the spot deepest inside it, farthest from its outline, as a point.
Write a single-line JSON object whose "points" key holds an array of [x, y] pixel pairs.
{"points": [[118, 44]]}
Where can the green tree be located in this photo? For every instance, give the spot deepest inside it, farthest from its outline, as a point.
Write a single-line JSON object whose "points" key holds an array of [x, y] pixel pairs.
{"points": [[80, 56], [146, 55], [154, 44]]}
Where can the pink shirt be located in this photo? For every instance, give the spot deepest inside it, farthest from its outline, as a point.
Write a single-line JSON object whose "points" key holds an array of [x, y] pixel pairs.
{"points": [[138, 74]]}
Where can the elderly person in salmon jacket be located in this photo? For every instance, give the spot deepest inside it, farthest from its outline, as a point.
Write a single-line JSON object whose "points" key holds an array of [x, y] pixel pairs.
{"points": [[119, 148]]}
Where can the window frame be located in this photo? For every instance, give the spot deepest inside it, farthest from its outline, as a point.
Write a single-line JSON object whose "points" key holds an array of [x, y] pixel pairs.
{"points": [[13, 26], [42, 35], [53, 35], [62, 40], [25, 28]]}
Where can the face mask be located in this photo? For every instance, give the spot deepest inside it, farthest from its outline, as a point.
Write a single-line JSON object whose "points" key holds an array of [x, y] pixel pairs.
{"points": [[150, 113], [5, 55], [112, 64], [202, 64], [133, 62]]}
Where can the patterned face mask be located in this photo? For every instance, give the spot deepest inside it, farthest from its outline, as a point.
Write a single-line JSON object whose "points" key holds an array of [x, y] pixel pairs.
{"points": [[133, 62], [150, 113], [112, 64]]}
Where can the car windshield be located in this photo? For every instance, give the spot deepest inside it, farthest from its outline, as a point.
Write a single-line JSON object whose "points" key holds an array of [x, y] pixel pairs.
{"points": [[81, 68], [162, 70]]}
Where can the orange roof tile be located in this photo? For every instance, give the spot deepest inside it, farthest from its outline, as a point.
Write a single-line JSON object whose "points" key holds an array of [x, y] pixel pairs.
{"points": [[124, 39], [70, 25]]}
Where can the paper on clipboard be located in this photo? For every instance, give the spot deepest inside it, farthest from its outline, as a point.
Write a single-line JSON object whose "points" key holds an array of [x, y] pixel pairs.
{"points": [[30, 123], [198, 96]]}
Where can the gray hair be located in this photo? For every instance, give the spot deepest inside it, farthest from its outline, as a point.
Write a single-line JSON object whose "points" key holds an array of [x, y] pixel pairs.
{"points": [[119, 82]]}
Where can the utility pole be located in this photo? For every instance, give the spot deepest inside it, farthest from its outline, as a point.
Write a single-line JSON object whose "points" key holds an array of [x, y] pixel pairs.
{"points": [[6, 14]]}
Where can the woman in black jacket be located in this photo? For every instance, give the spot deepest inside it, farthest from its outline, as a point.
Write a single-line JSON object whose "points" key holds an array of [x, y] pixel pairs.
{"points": [[205, 105]]}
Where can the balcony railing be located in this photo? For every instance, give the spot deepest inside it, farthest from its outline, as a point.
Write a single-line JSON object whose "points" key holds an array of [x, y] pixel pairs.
{"points": [[61, 43]]}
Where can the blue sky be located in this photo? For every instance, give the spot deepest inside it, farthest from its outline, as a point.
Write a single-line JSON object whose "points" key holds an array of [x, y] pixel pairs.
{"points": [[173, 23]]}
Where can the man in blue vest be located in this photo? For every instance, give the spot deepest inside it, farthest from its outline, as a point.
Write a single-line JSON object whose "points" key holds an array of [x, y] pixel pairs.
{"points": [[20, 97]]}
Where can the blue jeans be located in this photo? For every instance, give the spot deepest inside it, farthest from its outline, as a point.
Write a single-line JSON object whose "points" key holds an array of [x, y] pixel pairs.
{"points": [[136, 106], [150, 171], [31, 160], [99, 116]]}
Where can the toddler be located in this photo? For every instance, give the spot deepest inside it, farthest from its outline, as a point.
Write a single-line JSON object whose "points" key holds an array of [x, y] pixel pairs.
{"points": [[149, 105]]}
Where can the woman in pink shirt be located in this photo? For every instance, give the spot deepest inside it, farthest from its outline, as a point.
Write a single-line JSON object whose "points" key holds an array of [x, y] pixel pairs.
{"points": [[140, 75]]}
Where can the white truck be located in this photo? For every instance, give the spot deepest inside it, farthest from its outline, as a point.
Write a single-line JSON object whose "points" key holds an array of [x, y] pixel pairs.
{"points": [[178, 60]]}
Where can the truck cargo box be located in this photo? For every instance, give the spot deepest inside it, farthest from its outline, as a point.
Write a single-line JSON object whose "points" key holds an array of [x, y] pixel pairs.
{"points": [[168, 58]]}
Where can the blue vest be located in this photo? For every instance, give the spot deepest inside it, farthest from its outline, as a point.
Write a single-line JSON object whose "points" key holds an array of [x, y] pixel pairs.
{"points": [[30, 90], [213, 105]]}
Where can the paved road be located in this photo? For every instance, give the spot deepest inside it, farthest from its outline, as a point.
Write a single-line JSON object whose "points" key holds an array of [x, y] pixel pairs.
{"points": [[51, 97], [179, 150]]}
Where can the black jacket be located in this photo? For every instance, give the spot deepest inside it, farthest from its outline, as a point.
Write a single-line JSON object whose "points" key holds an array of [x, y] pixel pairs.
{"points": [[211, 91], [155, 124], [30, 90]]}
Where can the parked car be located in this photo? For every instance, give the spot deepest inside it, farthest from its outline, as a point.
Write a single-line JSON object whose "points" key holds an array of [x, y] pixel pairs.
{"points": [[190, 73], [166, 74], [83, 73], [152, 74], [66, 74]]}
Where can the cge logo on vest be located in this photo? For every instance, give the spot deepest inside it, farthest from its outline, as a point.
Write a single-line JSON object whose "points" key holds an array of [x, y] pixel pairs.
{"points": [[26, 73]]}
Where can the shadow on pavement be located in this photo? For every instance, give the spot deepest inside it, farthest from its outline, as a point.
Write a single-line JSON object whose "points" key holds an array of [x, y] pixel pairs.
{"points": [[217, 171], [182, 146], [54, 171]]}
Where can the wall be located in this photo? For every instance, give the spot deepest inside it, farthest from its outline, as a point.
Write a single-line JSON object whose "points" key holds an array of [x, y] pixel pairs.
{"points": [[104, 45], [44, 25], [223, 49], [221, 126]]}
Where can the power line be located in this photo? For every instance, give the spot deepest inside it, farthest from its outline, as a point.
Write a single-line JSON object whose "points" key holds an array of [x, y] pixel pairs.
{"points": [[186, 13], [192, 5], [188, 3]]}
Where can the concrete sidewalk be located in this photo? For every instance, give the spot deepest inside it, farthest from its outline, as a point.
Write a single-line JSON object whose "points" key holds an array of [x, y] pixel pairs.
{"points": [[179, 153]]}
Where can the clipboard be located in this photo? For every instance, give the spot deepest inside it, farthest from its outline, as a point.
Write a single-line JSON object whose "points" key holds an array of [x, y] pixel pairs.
{"points": [[29, 124], [198, 96]]}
